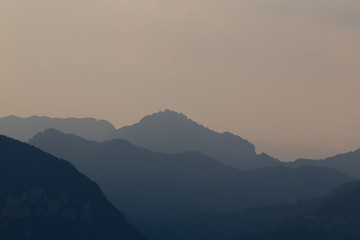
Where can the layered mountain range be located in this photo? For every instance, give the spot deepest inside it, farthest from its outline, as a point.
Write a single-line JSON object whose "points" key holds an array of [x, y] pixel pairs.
{"points": [[164, 186], [173, 132], [171, 177], [348, 163], [25, 128]]}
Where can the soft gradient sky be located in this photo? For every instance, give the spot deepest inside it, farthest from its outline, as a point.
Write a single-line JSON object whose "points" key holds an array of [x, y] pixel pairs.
{"points": [[284, 74]]}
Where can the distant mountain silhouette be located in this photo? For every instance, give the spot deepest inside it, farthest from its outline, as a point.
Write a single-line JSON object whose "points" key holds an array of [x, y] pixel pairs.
{"points": [[163, 186], [173, 132], [348, 163], [42, 198], [25, 128], [335, 216]]}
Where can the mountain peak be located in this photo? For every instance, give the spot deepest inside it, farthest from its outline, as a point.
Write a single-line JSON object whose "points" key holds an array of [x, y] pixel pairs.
{"points": [[165, 116], [173, 132], [52, 132], [169, 112]]}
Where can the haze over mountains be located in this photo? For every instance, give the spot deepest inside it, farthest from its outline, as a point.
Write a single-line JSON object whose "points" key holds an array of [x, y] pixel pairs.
{"points": [[166, 131], [25, 128], [162, 186], [348, 163], [173, 132], [266, 94], [42, 197], [173, 178]]}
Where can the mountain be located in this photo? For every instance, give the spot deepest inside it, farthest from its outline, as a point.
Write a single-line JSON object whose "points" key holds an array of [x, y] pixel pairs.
{"points": [[160, 187], [25, 128], [42, 197], [173, 132], [348, 163], [225, 226], [334, 216]]}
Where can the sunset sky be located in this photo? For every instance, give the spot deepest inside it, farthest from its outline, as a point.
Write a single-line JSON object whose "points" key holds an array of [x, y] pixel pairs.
{"points": [[284, 74]]}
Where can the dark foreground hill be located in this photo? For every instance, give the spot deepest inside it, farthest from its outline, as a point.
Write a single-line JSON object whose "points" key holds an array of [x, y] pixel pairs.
{"points": [[42, 198], [159, 186], [25, 128], [335, 216], [348, 163], [173, 132]]}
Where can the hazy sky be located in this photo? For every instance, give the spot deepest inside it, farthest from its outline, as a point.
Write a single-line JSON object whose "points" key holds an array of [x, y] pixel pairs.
{"points": [[284, 74]]}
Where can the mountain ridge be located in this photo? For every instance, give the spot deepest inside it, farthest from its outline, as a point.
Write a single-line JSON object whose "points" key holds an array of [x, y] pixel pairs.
{"points": [[43, 197], [181, 183], [25, 128], [348, 163], [172, 132]]}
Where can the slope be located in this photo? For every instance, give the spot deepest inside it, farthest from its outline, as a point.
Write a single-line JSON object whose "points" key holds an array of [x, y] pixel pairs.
{"points": [[160, 187], [25, 128], [348, 163], [173, 132], [42, 197]]}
